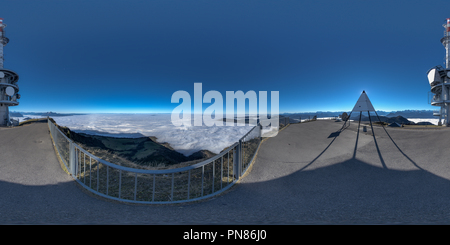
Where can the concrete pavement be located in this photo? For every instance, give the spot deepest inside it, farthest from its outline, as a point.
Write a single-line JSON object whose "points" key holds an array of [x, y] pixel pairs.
{"points": [[310, 173]]}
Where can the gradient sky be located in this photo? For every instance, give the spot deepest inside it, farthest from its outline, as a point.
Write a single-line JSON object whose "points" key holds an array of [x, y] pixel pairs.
{"points": [[106, 56]]}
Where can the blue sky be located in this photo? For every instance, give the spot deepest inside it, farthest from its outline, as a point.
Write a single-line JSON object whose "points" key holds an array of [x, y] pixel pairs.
{"points": [[131, 56]]}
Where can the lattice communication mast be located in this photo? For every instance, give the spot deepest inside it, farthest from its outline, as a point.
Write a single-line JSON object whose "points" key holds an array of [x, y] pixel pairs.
{"points": [[8, 83], [439, 79]]}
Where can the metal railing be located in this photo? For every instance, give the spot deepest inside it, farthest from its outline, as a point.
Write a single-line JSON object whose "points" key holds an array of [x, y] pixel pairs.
{"points": [[195, 182], [283, 122], [436, 112]]}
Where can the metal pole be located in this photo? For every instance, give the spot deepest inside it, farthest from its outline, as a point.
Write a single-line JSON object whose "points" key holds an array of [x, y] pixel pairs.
{"points": [[260, 131], [241, 157], [382, 125], [72, 159], [238, 162], [345, 121], [171, 194], [357, 135], [98, 174], [348, 119], [135, 185], [368, 112], [228, 167], [359, 122], [78, 162], [213, 175], [107, 179], [90, 172], [189, 183], [120, 181], [153, 193], [84, 168], [203, 172]]}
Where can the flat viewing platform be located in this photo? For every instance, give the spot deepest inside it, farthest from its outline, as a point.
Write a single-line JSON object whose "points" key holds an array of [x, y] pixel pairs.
{"points": [[310, 173]]}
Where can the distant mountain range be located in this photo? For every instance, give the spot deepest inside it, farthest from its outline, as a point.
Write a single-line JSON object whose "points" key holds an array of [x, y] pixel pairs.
{"points": [[405, 114], [15, 114], [412, 114], [44, 114], [302, 115], [398, 119]]}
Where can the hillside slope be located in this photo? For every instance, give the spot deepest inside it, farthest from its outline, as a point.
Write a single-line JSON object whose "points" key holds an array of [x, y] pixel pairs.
{"points": [[143, 151]]}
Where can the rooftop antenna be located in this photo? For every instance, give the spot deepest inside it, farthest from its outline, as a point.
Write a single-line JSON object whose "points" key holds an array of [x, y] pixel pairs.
{"points": [[446, 43], [8, 83], [439, 79]]}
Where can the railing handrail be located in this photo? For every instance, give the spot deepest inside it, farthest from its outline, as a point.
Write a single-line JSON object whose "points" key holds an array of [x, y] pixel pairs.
{"points": [[77, 168], [156, 171], [63, 134], [258, 125]]}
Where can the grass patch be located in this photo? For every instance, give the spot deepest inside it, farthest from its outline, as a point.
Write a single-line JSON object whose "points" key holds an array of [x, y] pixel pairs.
{"points": [[30, 121], [422, 126]]}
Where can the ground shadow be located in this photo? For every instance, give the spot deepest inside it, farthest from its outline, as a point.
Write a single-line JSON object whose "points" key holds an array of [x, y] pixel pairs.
{"points": [[400, 150], [337, 133], [353, 192], [376, 145], [347, 192], [333, 135]]}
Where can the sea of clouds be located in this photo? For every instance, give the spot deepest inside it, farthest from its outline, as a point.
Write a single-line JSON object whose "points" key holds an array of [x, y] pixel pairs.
{"points": [[184, 139], [431, 120]]}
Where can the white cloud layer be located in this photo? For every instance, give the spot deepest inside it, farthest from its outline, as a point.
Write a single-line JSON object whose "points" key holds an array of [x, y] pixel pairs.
{"points": [[184, 139], [431, 120]]}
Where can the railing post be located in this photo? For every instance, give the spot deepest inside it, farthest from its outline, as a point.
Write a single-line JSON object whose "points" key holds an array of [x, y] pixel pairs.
{"points": [[72, 161], [260, 132], [237, 160], [240, 151]]}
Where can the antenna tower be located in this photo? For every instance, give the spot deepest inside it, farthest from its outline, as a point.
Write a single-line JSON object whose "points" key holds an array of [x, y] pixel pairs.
{"points": [[8, 83], [439, 79]]}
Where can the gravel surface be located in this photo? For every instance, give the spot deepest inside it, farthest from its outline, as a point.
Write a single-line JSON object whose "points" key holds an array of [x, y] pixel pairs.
{"points": [[308, 174]]}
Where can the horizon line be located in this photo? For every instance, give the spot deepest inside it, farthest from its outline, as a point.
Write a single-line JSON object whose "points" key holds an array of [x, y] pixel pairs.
{"points": [[195, 113]]}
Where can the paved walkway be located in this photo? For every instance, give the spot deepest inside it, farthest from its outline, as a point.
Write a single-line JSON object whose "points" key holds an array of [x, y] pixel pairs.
{"points": [[308, 174]]}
